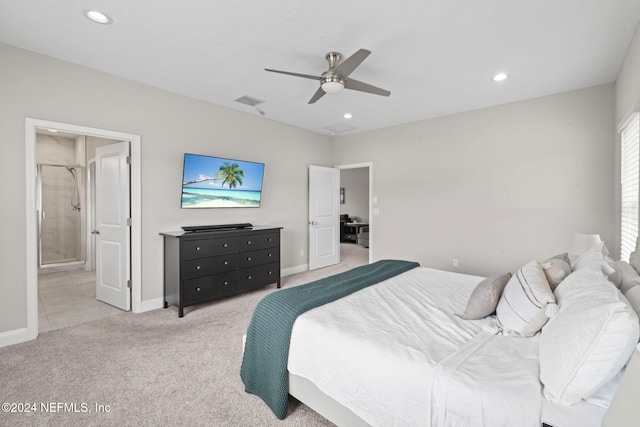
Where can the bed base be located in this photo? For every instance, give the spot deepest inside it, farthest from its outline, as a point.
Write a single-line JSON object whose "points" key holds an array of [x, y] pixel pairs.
{"points": [[309, 394]]}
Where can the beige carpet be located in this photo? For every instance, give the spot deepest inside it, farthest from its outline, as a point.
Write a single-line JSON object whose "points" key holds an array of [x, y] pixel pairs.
{"points": [[149, 369]]}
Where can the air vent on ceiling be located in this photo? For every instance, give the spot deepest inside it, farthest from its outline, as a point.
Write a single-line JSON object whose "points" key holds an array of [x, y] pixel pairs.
{"points": [[339, 128], [248, 100]]}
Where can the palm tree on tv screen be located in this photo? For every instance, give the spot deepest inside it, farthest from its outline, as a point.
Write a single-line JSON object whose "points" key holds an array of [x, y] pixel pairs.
{"points": [[230, 174]]}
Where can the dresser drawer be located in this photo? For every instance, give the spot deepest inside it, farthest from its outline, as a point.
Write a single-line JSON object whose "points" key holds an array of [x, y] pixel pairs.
{"points": [[258, 276], [254, 258], [258, 241], [207, 266], [195, 290], [193, 249], [224, 245]]}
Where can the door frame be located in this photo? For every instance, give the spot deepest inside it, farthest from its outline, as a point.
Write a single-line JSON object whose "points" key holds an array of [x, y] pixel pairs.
{"points": [[368, 165], [31, 126]]}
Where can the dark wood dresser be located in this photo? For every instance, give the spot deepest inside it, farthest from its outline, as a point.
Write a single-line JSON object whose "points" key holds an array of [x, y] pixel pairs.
{"points": [[207, 265]]}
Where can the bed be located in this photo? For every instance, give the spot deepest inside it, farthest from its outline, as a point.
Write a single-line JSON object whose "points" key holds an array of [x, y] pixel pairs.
{"points": [[411, 346]]}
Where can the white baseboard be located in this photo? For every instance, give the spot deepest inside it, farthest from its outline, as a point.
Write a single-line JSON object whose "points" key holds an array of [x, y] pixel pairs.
{"points": [[14, 337], [294, 270], [151, 304]]}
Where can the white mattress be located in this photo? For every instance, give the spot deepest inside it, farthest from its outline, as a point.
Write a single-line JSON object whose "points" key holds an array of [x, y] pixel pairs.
{"points": [[396, 354]]}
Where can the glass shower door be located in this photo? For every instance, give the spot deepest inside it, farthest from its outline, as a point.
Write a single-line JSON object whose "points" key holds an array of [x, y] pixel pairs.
{"points": [[61, 236]]}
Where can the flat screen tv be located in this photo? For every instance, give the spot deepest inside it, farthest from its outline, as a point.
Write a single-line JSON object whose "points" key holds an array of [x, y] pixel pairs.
{"points": [[215, 182]]}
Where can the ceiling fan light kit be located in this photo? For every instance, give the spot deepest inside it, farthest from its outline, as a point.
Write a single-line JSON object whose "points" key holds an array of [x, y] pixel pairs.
{"points": [[337, 78], [332, 84]]}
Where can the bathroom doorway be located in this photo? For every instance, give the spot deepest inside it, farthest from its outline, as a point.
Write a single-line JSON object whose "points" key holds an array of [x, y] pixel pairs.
{"points": [[60, 271], [66, 248]]}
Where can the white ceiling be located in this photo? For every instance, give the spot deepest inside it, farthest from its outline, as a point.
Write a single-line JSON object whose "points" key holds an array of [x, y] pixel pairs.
{"points": [[436, 57]]}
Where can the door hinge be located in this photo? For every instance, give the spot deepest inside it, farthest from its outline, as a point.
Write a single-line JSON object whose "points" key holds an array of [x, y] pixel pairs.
{"points": [[128, 160], [129, 284], [129, 222]]}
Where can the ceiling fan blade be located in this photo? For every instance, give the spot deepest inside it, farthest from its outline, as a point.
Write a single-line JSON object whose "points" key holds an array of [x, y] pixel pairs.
{"points": [[347, 66], [319, 94], [364, 87], [306, 76]]}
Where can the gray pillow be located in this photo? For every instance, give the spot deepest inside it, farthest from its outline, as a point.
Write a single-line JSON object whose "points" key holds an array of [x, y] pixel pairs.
{"points": [[633, 296], [616, 276], [556, 269], [485, 297], [634, 259], [630, 277]]}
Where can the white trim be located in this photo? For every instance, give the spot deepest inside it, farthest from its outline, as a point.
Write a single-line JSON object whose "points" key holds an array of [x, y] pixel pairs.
{"points": [[294, 270], [372, 228], [151, 304], [31, 233], [14, 337]]}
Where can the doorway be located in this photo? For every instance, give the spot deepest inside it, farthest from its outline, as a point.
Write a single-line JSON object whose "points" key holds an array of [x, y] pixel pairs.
{"points": [[325, 246], [65, 186], [85, 261], [356, 203]]}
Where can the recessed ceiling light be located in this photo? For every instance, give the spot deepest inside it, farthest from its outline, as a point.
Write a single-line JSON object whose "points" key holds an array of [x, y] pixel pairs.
{"points": [[98, 17], [347, 115], [499, 77], [52, 130]]}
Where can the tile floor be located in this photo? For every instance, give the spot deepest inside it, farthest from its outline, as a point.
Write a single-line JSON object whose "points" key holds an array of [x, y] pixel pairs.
{"points": [[69, 298]]}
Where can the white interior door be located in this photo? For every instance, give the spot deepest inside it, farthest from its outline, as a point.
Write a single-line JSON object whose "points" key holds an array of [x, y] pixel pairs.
{"points": [[113, 237], [324, 216]]}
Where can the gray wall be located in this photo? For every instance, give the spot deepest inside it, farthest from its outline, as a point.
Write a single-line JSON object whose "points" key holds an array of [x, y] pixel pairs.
{"points": [[40, 87], [494, 187]]}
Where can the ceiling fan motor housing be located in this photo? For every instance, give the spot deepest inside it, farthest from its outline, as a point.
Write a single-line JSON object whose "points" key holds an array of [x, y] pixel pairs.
{"points": [[333, 58]]}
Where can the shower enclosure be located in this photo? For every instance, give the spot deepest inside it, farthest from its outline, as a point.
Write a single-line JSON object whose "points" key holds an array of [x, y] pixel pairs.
{"points": [[61, 224]]}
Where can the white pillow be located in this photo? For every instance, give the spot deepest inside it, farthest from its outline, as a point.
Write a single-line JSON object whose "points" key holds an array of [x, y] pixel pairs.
{"points": [[589, 340], [521, 309], [594, 259]]}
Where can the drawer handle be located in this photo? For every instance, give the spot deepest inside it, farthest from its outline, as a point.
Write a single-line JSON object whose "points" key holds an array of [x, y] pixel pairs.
{"points": [[226, 245], [249, 277], [270, 255], [197, 267], [270, 273], [248, 242], [198, 289], [248, 258], [226, 263], [269, 239], [197, 248], [225, 283]]}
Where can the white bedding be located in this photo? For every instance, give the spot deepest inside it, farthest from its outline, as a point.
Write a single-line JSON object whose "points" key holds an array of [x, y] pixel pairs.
{"points": [[388, 372]]}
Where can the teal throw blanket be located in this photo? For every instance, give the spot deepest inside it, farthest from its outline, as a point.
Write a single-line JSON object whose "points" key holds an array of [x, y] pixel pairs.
{"points": [[266, 354]]}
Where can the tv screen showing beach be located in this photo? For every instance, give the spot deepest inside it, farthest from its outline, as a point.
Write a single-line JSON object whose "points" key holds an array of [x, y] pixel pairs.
{"points": [[213, 182]]}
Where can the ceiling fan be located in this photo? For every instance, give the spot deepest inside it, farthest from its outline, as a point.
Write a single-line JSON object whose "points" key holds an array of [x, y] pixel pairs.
{"points": [[337, 77]]}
